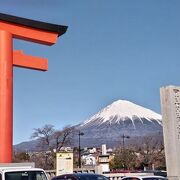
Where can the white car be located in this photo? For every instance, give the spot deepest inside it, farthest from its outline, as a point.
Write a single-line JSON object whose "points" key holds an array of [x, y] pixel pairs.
{"points": [[144, 178], [22, 173]]}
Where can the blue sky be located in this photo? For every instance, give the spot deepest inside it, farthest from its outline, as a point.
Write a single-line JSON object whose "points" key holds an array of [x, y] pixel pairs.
{"points": [[113, 49]]}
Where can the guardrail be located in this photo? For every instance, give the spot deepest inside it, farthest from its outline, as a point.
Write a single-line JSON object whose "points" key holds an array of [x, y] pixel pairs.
{"points": [[118, 176], [111, 176], [51, 173]]}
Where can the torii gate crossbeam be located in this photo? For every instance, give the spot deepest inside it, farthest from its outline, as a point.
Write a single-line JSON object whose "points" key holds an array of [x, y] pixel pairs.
{"points": [[28, 30]]}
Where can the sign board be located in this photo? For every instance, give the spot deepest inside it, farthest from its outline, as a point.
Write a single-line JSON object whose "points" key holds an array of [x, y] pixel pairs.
{"points": [[104, 159], [64, 163]]}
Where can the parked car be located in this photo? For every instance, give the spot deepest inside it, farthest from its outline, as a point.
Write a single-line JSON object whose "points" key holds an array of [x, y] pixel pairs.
{"points": [[22, 173], [144, 178], [80, 176]]}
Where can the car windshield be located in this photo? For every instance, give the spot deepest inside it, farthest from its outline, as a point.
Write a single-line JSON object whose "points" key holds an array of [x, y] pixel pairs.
{"points": [[26, 175], [91, 177]]}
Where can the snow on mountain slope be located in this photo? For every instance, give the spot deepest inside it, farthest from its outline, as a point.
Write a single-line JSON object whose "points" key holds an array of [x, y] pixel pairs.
{"points": [[123, 110], [119, 118]]}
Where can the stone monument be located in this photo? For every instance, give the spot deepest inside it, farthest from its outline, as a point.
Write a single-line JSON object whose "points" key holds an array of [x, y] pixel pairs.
{"points": [[170, 108], [103, 160]]}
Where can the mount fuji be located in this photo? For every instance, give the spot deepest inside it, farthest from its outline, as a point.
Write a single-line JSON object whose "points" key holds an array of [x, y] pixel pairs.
{"points": [[110, 124], [117, 119]]}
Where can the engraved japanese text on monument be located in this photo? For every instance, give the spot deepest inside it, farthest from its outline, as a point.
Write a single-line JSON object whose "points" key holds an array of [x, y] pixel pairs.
{"points": [[177, 110]]}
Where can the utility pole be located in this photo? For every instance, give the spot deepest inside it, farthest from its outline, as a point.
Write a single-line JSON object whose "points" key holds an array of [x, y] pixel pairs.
{"points": [[123, 137], [80, 134]]}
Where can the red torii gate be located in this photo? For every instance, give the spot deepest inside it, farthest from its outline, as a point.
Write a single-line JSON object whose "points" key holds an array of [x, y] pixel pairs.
{"points": [[28, 30]]}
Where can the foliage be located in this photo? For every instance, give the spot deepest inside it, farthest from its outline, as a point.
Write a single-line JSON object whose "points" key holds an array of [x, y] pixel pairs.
{"points": [[148, 155], [124, 159], [151, 154], [45, 160], [21, 157]]}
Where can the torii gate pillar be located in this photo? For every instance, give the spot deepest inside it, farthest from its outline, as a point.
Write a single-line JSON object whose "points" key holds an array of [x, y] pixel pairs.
{"points": [[28, 30], [6, 98]]}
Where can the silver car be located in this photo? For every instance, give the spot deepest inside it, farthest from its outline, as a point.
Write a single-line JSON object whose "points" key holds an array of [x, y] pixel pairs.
{"points": [[144, 178]]}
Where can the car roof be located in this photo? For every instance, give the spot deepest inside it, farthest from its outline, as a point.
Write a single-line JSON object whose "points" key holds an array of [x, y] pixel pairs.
{"points": [[77, 175], [144, 176], [15, 169], [82, 174]]}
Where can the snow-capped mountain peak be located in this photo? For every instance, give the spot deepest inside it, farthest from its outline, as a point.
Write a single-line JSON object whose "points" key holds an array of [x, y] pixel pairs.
{"points": [[117, 119], [121, 110]]}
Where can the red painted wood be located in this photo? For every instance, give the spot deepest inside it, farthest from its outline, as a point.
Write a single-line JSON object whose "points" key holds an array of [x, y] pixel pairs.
{"points": [[6, 97]]}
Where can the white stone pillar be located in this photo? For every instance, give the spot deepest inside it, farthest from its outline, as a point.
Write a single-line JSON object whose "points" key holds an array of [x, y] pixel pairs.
{"points": [[104, 152], [170, 108]]}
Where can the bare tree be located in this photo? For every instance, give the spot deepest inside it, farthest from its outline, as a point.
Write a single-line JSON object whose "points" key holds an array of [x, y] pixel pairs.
{"points": [[51, 139], [63, 137], [44, 135]]}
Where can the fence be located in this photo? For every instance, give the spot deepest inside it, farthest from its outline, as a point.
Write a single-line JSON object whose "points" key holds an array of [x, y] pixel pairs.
{"points": [[111, 176]]}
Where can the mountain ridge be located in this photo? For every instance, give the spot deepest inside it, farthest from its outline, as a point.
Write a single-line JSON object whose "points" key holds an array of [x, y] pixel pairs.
{"points": [[121, 117]]}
